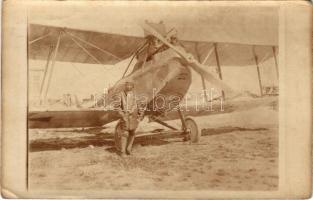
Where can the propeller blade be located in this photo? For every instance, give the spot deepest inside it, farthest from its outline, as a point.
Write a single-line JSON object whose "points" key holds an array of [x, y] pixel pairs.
{"points": [[219, 84], [192, 62]]}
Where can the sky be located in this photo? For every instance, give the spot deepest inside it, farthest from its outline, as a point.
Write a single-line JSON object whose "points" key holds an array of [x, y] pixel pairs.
{"points": [[249, 23]]}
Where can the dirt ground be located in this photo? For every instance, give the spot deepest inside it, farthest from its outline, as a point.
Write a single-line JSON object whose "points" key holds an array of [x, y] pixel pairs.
{"points": [[237, 151]]}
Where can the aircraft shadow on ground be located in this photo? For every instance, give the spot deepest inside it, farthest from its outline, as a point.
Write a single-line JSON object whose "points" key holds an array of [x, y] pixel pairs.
{"points": [[107, 139]]}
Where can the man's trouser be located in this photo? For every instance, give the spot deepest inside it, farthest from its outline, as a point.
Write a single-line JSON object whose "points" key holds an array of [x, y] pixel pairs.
{"points": [[127, 140]]}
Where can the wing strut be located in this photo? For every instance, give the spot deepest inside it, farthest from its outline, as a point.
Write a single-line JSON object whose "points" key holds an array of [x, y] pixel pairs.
{"points": [[258, 69], [94, 46], [83, 48], [203, 63], [207, 56], [134, 55], [52, 64], [45, 73], [202, 78], [219, 70], [276, 63], [39, 38]]}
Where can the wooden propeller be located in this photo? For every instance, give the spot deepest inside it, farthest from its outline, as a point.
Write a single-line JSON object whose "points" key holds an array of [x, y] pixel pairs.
{"points": [[192, 62]]}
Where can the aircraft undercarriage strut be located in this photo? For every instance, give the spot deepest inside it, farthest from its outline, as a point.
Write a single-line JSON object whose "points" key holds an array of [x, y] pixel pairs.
{"points": [[189, 127]]}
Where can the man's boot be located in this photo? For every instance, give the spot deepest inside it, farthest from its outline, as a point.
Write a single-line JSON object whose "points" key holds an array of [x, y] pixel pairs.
{"points": [[130, 141], [123, 145]]}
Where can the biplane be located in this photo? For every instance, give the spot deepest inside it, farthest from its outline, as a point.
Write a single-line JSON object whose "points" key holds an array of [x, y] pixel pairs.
{"points": [[163, 65]]}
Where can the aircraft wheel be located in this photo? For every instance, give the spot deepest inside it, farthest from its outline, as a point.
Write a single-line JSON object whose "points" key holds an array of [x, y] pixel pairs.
{"points": [[117, 136], [193, 130]]}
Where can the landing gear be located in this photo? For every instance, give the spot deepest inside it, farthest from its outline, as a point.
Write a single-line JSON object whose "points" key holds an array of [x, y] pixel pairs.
{"points": [[191, 130]]}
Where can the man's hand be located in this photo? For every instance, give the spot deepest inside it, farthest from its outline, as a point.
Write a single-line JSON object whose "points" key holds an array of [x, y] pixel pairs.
{"points": [[141, 116], [125, 116]]}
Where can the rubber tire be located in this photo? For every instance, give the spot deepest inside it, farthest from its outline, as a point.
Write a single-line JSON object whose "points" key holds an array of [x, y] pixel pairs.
{"points": [[194, 134]]}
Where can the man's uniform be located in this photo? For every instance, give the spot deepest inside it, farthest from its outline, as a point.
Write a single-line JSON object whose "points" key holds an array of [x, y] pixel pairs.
{"points": [[129, 121]]}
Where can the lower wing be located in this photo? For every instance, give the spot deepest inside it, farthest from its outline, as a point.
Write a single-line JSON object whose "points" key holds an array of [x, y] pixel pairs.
{"points": [[70, 119]]}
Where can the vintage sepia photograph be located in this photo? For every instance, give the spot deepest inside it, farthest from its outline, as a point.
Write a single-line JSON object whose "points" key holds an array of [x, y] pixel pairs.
{"points": [[130, 97], [156, 99]]}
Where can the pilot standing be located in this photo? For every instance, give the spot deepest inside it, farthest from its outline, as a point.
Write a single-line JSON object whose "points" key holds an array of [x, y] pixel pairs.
{"points": [[131, 116]]}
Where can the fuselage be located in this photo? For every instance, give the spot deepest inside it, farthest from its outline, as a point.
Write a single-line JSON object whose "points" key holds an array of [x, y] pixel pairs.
{"points": [[160, 84]]}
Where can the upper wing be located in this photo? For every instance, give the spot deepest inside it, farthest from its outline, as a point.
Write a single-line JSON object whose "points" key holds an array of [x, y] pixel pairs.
{"points": [[105, 48], [79, 45], [229, 54]]}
